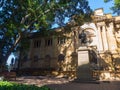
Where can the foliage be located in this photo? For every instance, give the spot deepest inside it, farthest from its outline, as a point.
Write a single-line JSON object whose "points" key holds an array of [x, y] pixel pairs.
{"points": [[20, 18], [107, 0], [4, 85], [116, 7]]}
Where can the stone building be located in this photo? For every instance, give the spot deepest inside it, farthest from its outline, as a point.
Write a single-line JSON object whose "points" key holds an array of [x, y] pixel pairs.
{"points": [[59, 53]]}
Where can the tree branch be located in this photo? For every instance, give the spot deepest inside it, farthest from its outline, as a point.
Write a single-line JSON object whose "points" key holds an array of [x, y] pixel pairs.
{"points": [[24, 19]]}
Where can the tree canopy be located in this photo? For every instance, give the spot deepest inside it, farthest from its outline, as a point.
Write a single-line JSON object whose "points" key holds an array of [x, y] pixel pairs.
{"points": [[116, 7], [19, 18]]}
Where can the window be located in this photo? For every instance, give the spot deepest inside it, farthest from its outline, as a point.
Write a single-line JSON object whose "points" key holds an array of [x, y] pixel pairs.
{"points": [[61, 40], [47, 61], [48, 42], [61, 57], [36, 58], [37, 43], [47, 57], [25, 57]]}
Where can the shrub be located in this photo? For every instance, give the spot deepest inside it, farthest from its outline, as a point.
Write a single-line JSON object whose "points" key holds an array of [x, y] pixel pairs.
{"points": [[5, 85]]}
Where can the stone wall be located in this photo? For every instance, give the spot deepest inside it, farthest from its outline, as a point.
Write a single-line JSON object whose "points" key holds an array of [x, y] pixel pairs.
{"points": [[104, 33]]}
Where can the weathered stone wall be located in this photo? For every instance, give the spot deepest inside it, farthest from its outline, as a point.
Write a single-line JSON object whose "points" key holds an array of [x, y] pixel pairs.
{"points": [[104, 33]]}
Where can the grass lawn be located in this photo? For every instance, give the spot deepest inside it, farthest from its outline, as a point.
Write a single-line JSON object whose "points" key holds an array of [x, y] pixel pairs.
{"points": [[5, 85]]}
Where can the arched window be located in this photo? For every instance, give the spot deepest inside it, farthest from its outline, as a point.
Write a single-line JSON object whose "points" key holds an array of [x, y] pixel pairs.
{"points": [[61, 57]]}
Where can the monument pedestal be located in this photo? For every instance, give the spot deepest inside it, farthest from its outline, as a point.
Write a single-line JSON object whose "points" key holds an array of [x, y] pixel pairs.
{"points": [[83, 70]]}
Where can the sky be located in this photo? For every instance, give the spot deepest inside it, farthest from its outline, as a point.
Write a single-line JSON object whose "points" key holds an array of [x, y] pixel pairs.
{"points": [[94, 4], [9, 59]]}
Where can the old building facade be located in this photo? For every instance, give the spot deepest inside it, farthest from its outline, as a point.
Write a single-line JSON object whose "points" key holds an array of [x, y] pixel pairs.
{"points": [[60, 53]]}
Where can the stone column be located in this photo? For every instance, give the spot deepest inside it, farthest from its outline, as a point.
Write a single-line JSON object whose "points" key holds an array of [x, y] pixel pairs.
{"points": [[108, 37], [111, 38], [104, 39], [100, 43]]}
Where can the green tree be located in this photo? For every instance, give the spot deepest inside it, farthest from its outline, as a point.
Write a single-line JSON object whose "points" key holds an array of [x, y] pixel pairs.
{"points": [[19, 18], [116, 7]]}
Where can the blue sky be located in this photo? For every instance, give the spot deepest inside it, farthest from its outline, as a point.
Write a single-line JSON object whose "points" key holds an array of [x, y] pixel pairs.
{"points": [[94, 4], [9, 59]]}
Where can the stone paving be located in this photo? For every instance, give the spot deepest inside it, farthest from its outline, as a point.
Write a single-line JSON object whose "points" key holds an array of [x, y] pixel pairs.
{"points": [[68, 84]]}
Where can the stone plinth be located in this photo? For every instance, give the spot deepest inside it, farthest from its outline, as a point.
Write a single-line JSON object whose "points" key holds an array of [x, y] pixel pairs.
{"points": [[83, 69]]}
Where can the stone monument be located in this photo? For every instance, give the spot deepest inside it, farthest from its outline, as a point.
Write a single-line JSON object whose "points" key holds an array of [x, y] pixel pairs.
{"points": [[83, 69]]}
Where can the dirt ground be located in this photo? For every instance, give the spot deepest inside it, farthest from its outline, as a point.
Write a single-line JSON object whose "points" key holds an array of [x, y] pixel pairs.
{"points": [[57, 83]]}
